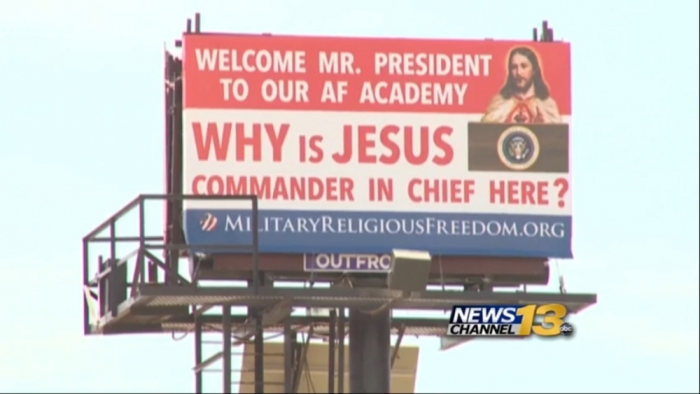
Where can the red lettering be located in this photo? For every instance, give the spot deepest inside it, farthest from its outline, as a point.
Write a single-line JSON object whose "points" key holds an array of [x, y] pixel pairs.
{"points": [[253, 141], [365, 144], [260, 186], [277, 188], [439, 141], [277, 139], [542, 189], [302, 149], [518, 192], [422, 156], [416, 149], [280, 191], [347, 143], [203, 144], [385, 137], [381, 189], [441, 190], [346, 186], [235, 188], [211, 139], [196, 184], [315, 189], [215, 186], [411, 190], [315, 147]]}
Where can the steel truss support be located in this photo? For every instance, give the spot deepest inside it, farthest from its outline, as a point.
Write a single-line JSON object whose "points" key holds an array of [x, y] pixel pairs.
{"points": [[198, 383], [226, 328], [290, 341], [256, 316], [399, 338], [259, 347], [331, 351], [370, 347], [341, 350]]}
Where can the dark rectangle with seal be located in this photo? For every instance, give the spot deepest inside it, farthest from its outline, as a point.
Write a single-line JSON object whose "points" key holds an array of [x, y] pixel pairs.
{"points": [[519, 147]]}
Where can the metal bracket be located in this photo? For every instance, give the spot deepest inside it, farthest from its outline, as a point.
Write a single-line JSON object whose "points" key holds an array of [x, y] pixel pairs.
{"points": [[395, 354], [301, 360]]}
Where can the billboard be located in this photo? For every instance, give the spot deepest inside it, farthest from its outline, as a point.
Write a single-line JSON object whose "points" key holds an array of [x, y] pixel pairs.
{"points": [[362, 145]]}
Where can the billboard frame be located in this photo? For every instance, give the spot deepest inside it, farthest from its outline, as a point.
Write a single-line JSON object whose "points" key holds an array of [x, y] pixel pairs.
{"points": [[142, 291]]}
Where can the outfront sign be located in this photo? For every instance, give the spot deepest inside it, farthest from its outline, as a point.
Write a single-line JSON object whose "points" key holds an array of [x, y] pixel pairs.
{"points": [[347, 262]]}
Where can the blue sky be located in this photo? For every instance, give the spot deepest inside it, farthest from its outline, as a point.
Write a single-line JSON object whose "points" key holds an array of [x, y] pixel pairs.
{"points": [[81, 129]]}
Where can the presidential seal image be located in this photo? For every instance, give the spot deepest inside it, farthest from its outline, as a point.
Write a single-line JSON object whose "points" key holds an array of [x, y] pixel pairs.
{"points": [[518, 148]]}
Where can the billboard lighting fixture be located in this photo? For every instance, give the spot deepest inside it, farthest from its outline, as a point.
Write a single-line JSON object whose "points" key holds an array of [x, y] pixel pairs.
{"points": [[410, 270]]}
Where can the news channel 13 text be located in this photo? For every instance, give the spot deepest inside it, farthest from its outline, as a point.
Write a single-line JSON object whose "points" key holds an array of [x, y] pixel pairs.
{"points": [[509, 320]]}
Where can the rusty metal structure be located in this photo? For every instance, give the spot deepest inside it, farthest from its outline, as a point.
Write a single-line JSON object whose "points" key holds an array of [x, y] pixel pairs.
{"points": [[137, 285]]}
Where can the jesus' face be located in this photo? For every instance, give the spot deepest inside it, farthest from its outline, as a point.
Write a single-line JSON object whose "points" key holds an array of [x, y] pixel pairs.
{"points": [[521, 71]]}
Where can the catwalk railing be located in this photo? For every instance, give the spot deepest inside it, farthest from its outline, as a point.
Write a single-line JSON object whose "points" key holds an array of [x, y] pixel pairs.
{"points": [[108, 285]]}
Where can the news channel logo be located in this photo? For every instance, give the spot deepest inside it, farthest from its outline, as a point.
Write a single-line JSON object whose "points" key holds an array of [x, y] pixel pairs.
{"points": [[509, 320]]}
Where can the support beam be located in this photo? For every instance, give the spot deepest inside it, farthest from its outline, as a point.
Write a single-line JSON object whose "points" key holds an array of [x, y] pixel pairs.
{"points": [[341, 350], [395, 354], [331, 352], [301, 360], [259, 356], [290, 338], [226, 328], [256, 316], [370, 345], [208, 362], [198, 384]]}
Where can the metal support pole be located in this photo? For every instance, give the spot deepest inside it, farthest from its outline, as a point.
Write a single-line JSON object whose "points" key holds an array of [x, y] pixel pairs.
{"points": [[256, 247], [198, 387], [395, 353], [331, 352], [341, 350], [226, 328], [259, 350], [289, 345], [370, 347]]}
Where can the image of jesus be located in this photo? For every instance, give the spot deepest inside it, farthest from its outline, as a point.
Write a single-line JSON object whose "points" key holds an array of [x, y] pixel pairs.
{"points": [[525, 96]]}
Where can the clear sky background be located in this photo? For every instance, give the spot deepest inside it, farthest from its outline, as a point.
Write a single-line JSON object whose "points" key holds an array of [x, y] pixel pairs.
{"points": [[81, 133]]}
